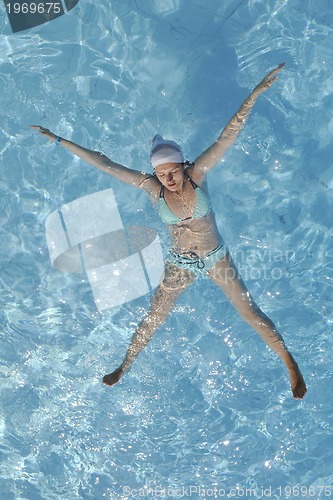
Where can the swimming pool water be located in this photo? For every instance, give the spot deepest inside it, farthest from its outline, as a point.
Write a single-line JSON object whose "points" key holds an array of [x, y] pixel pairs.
{"points": [[206, 405]]}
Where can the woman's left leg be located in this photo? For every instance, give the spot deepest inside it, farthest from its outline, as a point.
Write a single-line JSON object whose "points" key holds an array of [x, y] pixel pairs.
{"points": [[226, 276]]}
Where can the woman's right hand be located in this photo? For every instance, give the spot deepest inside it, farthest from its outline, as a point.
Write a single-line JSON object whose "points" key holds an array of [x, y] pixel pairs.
{"points": [[45, 131], [269, 79]]}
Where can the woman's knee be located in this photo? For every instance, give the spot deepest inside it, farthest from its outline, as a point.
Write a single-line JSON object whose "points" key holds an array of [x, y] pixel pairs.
{"points": [[254, 316], [164, 301]]}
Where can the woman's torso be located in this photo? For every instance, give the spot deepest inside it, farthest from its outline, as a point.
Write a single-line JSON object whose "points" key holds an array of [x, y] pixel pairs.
{"points": [[189, 218], [195, 235]]}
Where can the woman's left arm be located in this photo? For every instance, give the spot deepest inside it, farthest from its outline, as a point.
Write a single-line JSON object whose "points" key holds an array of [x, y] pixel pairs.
{"points": [[209, 158]]}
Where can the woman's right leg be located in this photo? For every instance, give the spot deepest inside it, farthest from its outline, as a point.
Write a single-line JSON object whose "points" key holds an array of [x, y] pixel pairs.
{"points": [[174, 283]]}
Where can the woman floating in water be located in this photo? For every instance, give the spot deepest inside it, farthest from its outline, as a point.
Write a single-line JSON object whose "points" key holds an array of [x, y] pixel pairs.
{"points": [[180, 190]]}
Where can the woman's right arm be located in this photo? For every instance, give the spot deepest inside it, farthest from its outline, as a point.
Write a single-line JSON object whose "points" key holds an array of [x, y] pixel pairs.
{"points": [[134, 177]]}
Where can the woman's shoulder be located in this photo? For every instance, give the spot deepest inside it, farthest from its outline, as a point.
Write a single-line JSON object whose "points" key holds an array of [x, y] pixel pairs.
{"points": [[195, 175], [151, 185]]}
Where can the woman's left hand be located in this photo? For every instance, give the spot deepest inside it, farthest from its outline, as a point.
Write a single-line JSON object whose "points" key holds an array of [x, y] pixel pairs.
{"points": [[269, 79]]}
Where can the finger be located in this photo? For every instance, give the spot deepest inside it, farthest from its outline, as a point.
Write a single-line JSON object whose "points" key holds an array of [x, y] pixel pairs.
{"points": [[272, 80], [279, 68], [40, 129], [275, 70], [267, 83]]}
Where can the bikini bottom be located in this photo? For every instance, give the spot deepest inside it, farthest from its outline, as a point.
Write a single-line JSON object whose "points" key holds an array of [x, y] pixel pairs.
{"points": [[197, 265]]}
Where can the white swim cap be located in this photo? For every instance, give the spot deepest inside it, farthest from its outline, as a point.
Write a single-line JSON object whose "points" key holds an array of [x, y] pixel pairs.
{"points": [[164, 151]]}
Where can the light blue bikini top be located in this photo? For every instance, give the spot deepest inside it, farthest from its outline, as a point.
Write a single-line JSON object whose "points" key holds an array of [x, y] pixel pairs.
{"points": [[202, 206]]}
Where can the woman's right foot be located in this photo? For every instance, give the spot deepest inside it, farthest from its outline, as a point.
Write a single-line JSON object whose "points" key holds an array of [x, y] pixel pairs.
{"points": [[113, 378], [298, 386]]}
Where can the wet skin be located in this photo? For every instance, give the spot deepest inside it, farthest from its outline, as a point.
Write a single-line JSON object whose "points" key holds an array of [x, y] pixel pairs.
{"points": [[173, 179]]}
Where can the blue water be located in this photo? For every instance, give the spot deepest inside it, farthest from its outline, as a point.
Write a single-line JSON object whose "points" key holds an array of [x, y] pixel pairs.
{"points": [[206, 405]]}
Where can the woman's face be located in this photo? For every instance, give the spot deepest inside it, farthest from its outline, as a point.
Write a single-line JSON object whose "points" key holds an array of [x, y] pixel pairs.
{"points": [[171, 175]]}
